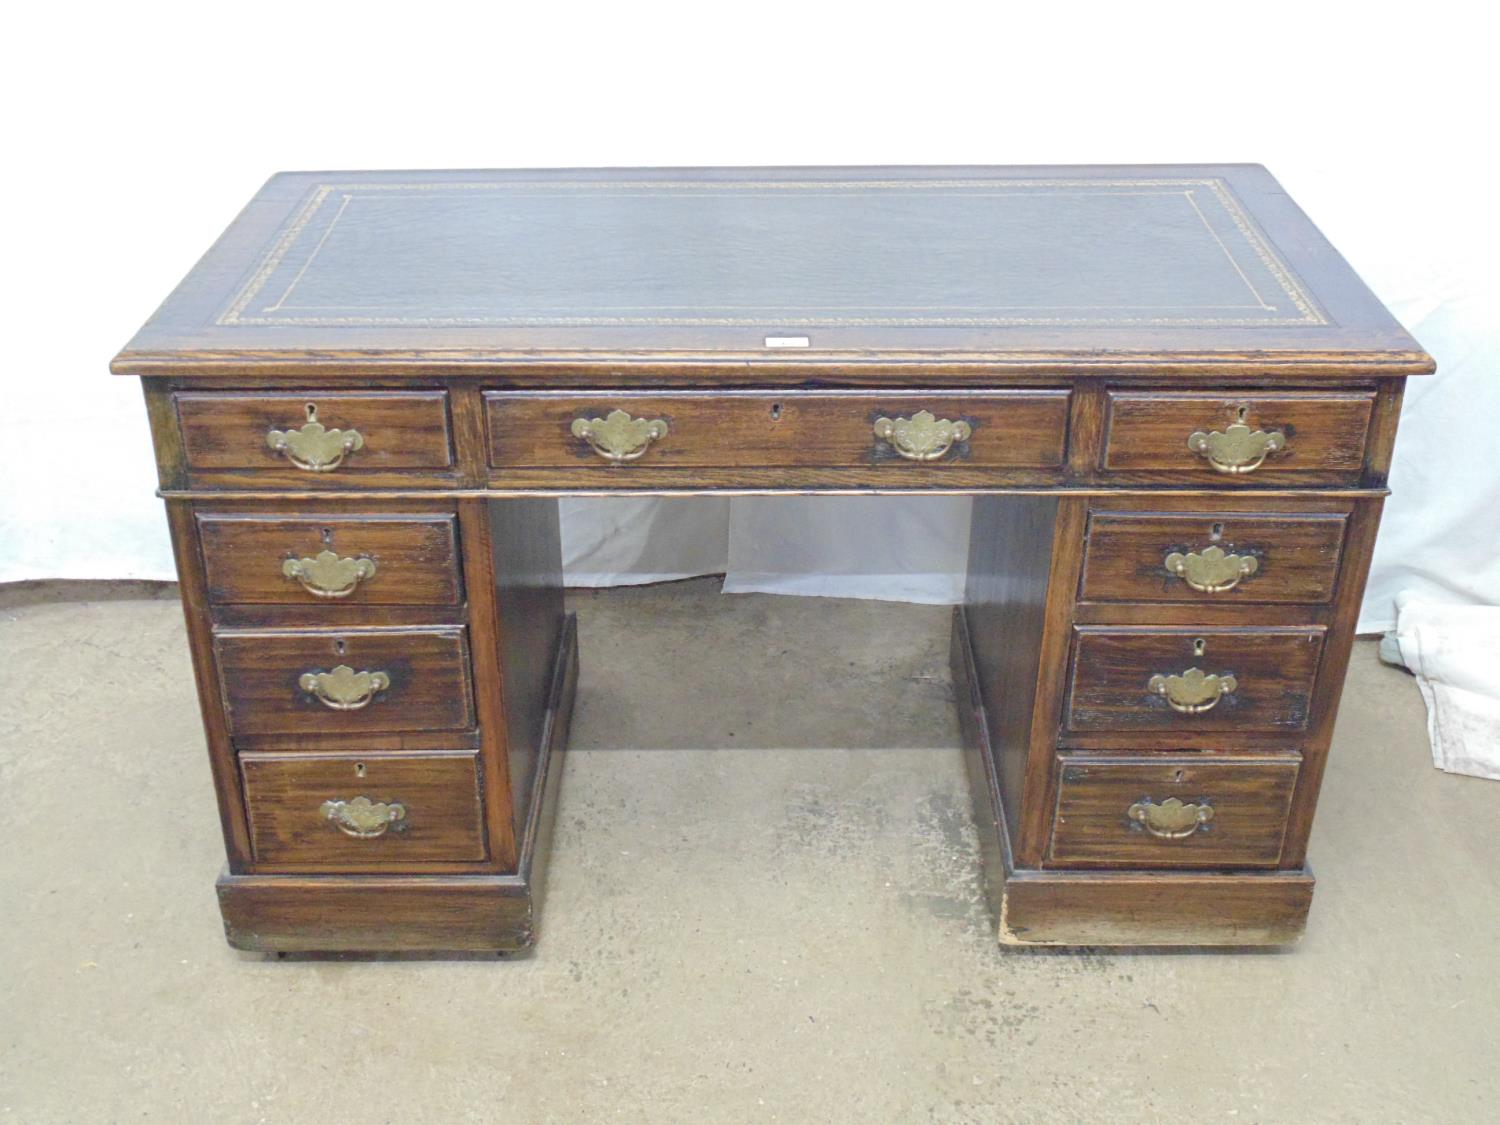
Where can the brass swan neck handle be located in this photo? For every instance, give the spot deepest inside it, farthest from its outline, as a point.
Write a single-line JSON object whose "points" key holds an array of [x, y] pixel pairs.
{"points": [[1237, 448], [313, 447], [1172, 819], [326, 575], [1211, 570], [922, 437], [344, 689], [617, 437]]}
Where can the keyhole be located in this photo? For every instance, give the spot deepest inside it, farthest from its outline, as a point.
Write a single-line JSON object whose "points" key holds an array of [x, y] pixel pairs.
{"points": [[1242, 413], [338, 647], [328, 536], [1178, 776], [359, 770], [776, 412], [1199, 645], [1216, 532], [312, 411]]}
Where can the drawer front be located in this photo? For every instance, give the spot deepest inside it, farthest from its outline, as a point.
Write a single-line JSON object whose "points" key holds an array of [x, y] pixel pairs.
{"points": [[852, 429], [342, 811], [1171, 812], [323, 681], [1231, 439], [1192, 679], [320, 436], [1211, 556], [331, 560]]}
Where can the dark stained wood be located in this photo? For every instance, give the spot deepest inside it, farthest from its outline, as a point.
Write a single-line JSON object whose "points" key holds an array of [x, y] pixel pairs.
{"points": [[1250, 799], [909, 476], [546, 775], [428, 670], [490, 703], [1149, 909], [376, 913], [1078, 265], [415, 557], [224, 436], [373, 913], [166, 434], [1070, 907], [1297, 556], [1359, 547], [745, 430], [1274, 669], [1381, 443], [1003, 622], [284, 794], [1052, 681], [1147, 435], [195, 610], [1085, 428], [526, 549]]}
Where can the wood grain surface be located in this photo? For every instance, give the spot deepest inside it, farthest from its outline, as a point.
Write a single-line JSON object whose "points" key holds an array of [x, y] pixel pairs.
{"points": [[1296, 556], [415, 557], [438, 793], [428, 669], [1250, 801]]}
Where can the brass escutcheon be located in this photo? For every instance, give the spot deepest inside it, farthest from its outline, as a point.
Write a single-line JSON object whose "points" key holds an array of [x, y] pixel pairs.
{"points": [[1170, 820], [344, 689], [1211, 571], [618, 437], [1194, 691], [329, 576], [1238, 449], [314, 447], [363, 818], [921, 437]]}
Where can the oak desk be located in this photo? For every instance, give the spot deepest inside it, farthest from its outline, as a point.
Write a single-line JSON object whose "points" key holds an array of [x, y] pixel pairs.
{"points": [[1172, 400]]}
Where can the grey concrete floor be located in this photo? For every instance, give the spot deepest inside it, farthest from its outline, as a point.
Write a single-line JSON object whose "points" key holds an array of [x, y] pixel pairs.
{"points": [[763, 905]]}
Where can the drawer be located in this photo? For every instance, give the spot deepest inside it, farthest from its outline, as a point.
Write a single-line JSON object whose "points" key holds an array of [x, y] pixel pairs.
{"points": [[1211, 556], [1192, 679], [322, 436], [346, 810], [317, 681], [753, 430], [331, 559], [1229, 438], [1180, 811]]}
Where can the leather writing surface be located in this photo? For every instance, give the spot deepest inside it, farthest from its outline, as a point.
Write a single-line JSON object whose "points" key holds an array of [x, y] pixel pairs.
{"points": [[1132, 250], [1006, 266]]}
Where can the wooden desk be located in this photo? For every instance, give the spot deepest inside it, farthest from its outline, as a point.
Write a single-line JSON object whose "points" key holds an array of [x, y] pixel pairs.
{"points": [[1173, 403]]}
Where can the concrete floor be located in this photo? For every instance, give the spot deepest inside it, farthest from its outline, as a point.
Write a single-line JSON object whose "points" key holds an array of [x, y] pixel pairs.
{"points": [[763, 905]]}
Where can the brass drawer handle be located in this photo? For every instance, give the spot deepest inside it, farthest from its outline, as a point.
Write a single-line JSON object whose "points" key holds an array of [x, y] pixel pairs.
{"points": [[344, 689], [1170, 820], [363, 818], [329, 576], [1194, 691], [314, 447], [1211, 571], [618, 437], [1238, 449], [921, 437]]}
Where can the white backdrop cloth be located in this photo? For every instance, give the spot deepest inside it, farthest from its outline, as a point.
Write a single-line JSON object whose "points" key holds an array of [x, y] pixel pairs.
{"points": [[1453, 651]]}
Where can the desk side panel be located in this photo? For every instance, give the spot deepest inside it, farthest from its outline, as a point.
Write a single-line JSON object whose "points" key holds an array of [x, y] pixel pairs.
{"points": [[1005, 604], [526, 546]]}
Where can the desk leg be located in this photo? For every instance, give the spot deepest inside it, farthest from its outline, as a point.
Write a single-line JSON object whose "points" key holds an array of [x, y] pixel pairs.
{"points": [[525, 671], [1010, 666]]}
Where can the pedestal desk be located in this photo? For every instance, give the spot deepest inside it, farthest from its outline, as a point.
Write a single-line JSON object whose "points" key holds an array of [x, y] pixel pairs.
{"points": [[1171, 400]]}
